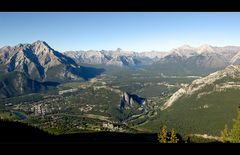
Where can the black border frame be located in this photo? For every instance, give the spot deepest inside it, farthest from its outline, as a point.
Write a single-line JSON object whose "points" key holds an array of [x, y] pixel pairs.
{"points": [[120, 6]]}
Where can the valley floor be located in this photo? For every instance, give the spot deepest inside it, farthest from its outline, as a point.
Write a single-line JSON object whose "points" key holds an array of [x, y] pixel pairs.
{"points": [[93, 106]]}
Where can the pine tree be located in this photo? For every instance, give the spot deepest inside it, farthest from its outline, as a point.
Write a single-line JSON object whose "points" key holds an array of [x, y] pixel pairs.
{"points": [[232, 136], [235, 132], [225, 134], [173, 138], [162, 136]]}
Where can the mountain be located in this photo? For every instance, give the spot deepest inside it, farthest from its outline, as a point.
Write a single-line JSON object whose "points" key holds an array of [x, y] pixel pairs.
{"points": [[196, 61], [205, 56], [115, 58], [17, 83], [225, 79], [30, 68], [89, 57], [190, 60], [39, 61], [208, 61]]}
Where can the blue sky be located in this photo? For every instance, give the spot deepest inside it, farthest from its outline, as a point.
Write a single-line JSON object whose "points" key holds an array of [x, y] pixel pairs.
{"points": [[136, 31]]}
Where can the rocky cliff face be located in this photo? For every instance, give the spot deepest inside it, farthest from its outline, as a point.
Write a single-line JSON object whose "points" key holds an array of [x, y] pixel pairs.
{"points": [[128, 99]]}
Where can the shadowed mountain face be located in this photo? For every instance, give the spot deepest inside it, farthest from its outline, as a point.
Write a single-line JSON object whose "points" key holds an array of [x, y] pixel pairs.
{"points": [[40, 62], [34, 59], [87, 72], [17, 83]]}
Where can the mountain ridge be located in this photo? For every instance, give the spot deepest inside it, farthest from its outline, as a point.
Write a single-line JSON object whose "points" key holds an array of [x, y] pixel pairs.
{"points": [[231, 73], [206, 56], [29, 68], [36, 59]]}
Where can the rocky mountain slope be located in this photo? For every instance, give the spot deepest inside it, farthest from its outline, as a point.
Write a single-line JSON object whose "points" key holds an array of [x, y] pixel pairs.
{"points": [[39, 61], [202, 107], [116, 58], [128, 99], [17, 83], [228, 78], [205, 56], [29, 68]]}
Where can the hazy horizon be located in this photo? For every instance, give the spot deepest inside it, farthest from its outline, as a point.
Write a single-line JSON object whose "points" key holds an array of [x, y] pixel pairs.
{"points": [[124, 49]]}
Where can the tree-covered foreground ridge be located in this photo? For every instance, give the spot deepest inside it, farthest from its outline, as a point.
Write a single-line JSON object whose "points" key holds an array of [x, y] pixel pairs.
{"points": [[227, 135], [232, 135]]}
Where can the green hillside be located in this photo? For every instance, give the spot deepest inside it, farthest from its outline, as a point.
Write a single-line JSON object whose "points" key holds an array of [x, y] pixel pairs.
{"points": [[206, 111]]}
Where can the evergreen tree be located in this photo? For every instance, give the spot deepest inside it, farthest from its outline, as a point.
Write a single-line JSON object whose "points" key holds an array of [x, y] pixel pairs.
{"points": [[235, 132], [173, 138], [162, 136], [225, 134], [167, 137]]}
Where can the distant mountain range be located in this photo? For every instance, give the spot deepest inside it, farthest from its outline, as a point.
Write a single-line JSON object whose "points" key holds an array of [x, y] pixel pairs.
{"points": [[205, 56], [38, 63], [39, 59]]}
